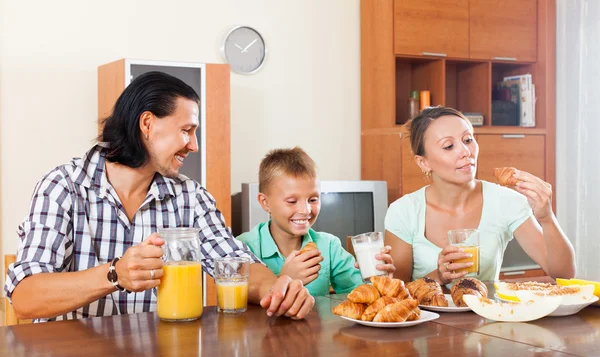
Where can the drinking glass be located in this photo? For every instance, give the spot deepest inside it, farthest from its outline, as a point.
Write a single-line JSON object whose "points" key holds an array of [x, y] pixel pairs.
{"points": [[231, 278], [366, 246], [468, 240], [179, 295]]}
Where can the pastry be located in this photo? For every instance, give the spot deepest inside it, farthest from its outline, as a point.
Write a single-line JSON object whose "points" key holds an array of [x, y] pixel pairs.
{"points": [[390, 287], [349, 309], [396, 312], [374, 308], [505, 176], [470, 286], [428, 292], [365, 294], [308, 247]]}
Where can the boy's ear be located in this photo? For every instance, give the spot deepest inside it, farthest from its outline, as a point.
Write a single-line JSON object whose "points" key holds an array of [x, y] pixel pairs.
{"points": [[264, 202]]}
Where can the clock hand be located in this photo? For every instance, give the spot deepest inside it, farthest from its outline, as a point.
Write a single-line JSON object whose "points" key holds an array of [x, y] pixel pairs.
{"points": [[238, 46], [247, 47]]}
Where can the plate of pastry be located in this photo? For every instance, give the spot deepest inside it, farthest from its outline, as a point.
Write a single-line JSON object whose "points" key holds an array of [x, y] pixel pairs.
{"points": [[424, 317], [431, 297], [386, 302]]}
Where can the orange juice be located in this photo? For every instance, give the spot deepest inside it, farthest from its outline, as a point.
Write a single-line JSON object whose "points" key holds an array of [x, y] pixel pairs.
{"points": [[474, 250], [180, 291], [232, 296]]}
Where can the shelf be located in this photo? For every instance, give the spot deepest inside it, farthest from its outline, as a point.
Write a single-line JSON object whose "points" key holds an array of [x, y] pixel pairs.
{"points": [[483, 130]]}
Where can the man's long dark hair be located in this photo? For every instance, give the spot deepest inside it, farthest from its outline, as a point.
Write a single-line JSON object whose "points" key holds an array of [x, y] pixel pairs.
{"points": [[156, 92]]}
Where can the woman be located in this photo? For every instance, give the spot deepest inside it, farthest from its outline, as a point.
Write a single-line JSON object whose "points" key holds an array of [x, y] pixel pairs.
{"points": [[417, 224]]}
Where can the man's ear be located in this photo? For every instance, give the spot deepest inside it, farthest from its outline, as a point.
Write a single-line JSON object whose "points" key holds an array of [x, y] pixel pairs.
{"points": [[264, 202], [146, 122], [422, 163]]}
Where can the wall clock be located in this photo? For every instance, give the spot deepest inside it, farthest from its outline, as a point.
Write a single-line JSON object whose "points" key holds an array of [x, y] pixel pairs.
{"points": [[244, 49]]}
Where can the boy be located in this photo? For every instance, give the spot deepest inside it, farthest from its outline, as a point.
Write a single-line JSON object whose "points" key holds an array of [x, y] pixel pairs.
{"points": [[290, 192]]}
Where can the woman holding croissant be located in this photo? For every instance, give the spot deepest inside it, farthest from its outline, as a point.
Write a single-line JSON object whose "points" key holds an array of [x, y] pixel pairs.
{"points": [[445, 150]]}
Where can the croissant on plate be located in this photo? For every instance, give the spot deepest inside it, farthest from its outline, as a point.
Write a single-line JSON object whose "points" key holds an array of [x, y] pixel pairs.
{"points": [[505, 176], [349, 309], [365, 294], [415, 314], [428, 292], [390, 287], [396, 312], [468, 286], [379, 304]]}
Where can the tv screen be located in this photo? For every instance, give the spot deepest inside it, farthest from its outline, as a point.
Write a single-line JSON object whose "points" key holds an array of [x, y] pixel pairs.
{"points": [[346, 214]]}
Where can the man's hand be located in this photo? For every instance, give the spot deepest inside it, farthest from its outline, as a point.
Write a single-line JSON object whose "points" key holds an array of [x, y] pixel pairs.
{"points": [[303, 266], [140, 268], [288, 297]]}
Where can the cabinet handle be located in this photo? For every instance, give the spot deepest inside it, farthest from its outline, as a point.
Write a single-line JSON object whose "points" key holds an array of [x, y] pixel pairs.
{"points": [[505, 58], [513, 136], [511, 273], [434, 54]]}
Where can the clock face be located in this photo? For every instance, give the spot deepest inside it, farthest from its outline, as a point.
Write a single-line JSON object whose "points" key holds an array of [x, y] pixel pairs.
{"points": [[244, 49]]}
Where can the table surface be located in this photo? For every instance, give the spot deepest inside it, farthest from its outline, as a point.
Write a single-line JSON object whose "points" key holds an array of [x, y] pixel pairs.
{"points": [[320, 334]]}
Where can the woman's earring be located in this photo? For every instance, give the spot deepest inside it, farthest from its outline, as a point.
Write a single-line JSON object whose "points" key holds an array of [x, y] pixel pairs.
{"points": [[427, 173]]}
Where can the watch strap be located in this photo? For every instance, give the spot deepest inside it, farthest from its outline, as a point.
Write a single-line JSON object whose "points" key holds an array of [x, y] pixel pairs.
{"points": [[112, 276]]}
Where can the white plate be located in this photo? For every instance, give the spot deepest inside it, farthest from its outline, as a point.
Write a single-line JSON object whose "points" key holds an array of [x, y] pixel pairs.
{"points": [[450, 308], [564, 309], [425, 316]]}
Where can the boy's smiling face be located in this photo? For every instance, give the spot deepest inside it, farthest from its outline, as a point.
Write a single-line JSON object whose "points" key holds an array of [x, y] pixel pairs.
{"points": [[293, 203]]}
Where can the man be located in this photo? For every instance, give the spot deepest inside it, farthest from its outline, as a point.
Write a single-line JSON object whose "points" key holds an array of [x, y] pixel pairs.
{"points": [[89, 245]]}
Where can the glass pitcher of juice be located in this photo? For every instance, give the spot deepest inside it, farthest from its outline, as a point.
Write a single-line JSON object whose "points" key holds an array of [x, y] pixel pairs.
{"points": [[180, 291]]}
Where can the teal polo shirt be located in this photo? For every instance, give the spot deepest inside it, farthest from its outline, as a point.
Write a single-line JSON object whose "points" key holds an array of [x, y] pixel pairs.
{"points": [[337, 267]]}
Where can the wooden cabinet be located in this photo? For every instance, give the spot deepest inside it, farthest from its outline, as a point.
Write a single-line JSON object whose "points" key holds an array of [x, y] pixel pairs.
{"points": [[503, 29], [432, 27], [525, 152], [394, 34], [211, 168]]}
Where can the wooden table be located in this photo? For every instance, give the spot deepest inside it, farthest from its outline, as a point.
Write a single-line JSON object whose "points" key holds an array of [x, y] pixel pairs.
{"points": [[321, 334]]}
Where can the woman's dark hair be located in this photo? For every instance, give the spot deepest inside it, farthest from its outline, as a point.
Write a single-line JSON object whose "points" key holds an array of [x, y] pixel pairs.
{"points": [[418, 125], [156, 92]]}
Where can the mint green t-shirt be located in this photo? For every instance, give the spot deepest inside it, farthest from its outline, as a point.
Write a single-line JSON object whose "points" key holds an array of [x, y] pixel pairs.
{"points": [[337, 267], [504, 210]]}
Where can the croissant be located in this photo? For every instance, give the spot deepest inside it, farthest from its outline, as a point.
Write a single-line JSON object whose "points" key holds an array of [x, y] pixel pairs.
{"points": [[390, 287], [428, 292], [469, 286], [505, 176], [309, 246], [349, 309], [379, 304], [365, 294], [415, 315], [396, 312]]}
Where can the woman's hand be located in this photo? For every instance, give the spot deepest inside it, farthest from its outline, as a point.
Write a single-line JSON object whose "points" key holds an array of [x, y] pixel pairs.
{"points": [[388, 261], [303, 266], [538, 193], [447, 269]]}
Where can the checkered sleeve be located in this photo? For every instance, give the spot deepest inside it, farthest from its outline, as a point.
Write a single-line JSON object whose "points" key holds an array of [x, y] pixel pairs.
{"points": [[217, 240], [44, 244]]}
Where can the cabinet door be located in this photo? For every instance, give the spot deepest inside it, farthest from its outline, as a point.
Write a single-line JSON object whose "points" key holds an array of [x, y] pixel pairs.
{"points": [[439, 27], [381, 160], [503, 29], [412, 177], [525, 152]]}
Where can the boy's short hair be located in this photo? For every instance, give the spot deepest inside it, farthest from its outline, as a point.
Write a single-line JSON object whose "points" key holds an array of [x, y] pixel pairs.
{"points": [[293, 162]]}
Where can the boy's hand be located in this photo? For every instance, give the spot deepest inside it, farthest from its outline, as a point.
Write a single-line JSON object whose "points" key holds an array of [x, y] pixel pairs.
{"points": [[388, 261], [303, 266]]}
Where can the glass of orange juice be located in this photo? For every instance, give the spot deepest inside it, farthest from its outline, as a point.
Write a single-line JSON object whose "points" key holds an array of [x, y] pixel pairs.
{"points": [[468, 240], [179, 295], [231, 278]]}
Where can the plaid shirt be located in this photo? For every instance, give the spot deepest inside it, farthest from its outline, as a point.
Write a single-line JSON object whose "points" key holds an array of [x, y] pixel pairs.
{"points": [[76, 221]]}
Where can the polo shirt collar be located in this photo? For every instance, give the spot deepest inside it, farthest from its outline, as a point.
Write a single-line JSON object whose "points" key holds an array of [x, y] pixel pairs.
{"points": [[267, 243]]}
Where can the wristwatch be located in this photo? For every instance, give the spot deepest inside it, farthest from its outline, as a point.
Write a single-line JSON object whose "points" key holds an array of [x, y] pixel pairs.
{"points": [[112, 275]]}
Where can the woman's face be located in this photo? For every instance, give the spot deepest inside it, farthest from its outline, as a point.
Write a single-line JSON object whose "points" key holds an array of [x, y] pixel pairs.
{"points": [[450, 150]]}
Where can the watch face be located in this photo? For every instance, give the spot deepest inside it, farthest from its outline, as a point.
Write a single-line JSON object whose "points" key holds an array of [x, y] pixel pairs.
{"points": [[244, 49]]}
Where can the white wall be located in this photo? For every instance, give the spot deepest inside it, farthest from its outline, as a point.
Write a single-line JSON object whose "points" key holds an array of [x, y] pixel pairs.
{"points": [[307, 94]]}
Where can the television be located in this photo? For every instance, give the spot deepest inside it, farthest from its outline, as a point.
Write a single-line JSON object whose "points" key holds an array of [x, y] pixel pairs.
{"points": [[347, 208]]}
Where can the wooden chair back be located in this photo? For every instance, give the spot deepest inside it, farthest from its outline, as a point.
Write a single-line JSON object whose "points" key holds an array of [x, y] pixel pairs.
{"points": [[349, 246], [9, 313]]}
